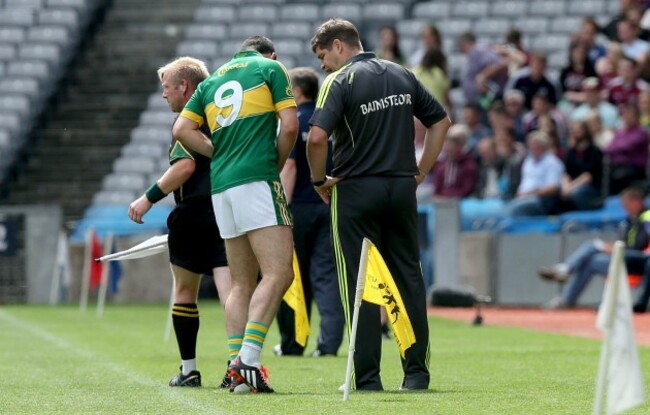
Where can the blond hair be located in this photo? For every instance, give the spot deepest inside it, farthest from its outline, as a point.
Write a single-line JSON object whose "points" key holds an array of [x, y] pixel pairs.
{"points": [[539, 136], [192, 70]]}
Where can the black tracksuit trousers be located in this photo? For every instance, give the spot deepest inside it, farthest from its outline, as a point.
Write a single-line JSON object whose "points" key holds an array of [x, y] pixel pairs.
{"points": [[384, 210]]}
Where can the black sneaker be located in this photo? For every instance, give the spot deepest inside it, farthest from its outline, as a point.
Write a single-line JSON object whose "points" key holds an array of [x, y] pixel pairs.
{"points": [[413, 386], [191, 379], [256, 378], [226, 381]]}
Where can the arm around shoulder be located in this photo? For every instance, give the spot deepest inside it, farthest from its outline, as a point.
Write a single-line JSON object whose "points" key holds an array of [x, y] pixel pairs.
{"points": [[188, 133]]}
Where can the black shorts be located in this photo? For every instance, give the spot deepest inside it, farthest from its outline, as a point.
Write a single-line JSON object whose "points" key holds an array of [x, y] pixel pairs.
{"points": [[194, 241]]}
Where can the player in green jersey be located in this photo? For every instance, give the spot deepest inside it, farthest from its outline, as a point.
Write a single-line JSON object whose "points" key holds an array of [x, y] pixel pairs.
{"points": [[242, 102]]}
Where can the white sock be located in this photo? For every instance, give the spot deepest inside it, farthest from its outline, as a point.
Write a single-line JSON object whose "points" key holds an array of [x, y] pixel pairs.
{"points": [[563, 267], [250, 355], [188, 366]]}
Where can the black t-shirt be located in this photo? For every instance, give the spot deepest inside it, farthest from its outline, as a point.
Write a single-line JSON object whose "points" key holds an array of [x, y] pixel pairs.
{"points": [[571, 80], [198, 185], [588, 160], [303, 191], [531, 88], [368, 105]]}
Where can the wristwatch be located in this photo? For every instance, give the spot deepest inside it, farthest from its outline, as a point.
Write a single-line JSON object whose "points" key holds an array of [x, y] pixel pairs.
{"points": [[318, 183]]}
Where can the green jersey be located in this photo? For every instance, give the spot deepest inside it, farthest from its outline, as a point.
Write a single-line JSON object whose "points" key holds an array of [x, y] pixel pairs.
{"points": [[240, 102]]}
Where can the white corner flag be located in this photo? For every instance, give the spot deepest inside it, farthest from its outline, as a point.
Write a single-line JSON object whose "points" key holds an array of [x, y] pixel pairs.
{"points": [[619, 372], [152, 246]]}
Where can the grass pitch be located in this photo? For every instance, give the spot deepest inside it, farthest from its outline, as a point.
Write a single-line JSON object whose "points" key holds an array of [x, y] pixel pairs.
{"points": [[57, 360]]}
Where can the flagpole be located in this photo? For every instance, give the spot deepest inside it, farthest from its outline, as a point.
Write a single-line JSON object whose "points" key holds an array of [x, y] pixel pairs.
{"points": [[611, 294], [55, 288], [103, 286], [134, 250], [85, 274], [361, 279]]}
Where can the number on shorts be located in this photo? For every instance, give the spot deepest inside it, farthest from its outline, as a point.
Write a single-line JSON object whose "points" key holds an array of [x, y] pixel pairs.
{"points": [[224, 100]]}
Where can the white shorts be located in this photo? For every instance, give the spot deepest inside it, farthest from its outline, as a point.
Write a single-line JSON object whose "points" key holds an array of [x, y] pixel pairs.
{"points": [[250, 206]]}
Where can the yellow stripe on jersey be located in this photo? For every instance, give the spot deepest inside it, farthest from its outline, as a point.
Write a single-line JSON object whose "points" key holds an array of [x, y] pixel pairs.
{"points": [[286, 103], [325, 89], [192, 116], [257, 100], [326, 86], [178, 143]]}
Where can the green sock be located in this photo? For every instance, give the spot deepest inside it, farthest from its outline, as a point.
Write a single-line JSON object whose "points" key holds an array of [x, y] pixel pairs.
{"points": [[234, 345], [251, 348]]}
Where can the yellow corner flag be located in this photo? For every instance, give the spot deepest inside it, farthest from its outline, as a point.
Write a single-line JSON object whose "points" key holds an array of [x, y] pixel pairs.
{"points": [[295, 298], [380, 289]]}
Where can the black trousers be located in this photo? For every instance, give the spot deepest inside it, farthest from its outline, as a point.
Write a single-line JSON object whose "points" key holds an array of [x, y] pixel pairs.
{"points": [[384, 210], [311, 233], [644, 297]]}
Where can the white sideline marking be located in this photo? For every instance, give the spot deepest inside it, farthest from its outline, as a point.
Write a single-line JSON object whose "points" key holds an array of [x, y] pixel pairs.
{"points": [[63, 344]]}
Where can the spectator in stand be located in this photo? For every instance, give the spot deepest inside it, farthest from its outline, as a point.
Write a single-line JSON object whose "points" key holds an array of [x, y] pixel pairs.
{"points": [[592, 257], [607, 66], [489, 169], [588, 35], [430, 38], [541, 106], [541, 180], [633, 47], [432, 73], [513, 51], [634, 14], [471, 117], [627, 86], [582, 180], [644, 109], [610, 30], [547, 124], [536, 82], [498, 118], [389, 45], [513, 101], [601, 136], [644, 68], [512, 154], [485, 74], [607, 112], [628, 152], [572, 75], [456, 173]]}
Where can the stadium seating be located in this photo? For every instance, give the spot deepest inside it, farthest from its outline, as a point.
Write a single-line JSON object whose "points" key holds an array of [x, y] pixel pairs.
{"points": [[220, 25], [37, 41]]}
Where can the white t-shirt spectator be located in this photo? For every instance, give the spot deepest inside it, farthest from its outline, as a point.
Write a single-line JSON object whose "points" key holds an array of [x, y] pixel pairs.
{"points": [[536, 174]]}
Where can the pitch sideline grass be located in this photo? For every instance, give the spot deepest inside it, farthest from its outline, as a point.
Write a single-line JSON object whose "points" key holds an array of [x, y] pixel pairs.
{"points": [[56, 360]]}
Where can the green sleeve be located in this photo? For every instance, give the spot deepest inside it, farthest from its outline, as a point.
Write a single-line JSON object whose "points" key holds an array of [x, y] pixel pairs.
{"points": [[280, 85], [178, 152]]}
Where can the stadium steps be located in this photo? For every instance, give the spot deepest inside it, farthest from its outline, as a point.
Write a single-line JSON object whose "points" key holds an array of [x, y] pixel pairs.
{"points": [[108, 90]]}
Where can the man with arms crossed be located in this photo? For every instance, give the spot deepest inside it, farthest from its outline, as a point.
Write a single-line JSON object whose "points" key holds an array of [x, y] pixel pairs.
{"points": [[241, 102], [195, 247], [369, 105]]}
